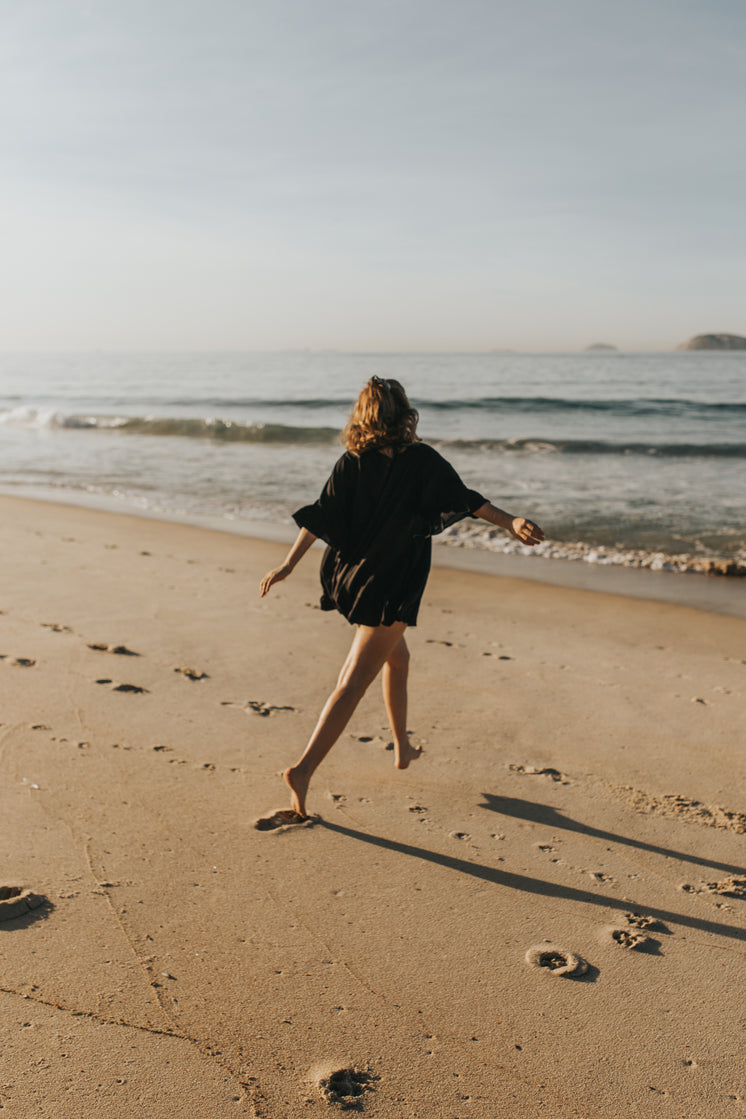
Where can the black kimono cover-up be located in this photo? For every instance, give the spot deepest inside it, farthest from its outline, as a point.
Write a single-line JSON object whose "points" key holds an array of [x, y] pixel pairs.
{"points": [[377, 514]]}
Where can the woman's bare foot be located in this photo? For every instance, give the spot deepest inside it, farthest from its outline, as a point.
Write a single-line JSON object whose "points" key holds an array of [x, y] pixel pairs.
{"points": [[406, 754], [298, 785]]}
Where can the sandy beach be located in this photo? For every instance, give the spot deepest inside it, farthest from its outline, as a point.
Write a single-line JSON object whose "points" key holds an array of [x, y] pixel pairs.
{"points": [[579, 804]]}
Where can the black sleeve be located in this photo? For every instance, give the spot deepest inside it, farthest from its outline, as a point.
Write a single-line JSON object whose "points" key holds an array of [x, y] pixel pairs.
{"points": [[445, 497], [329, 517]]}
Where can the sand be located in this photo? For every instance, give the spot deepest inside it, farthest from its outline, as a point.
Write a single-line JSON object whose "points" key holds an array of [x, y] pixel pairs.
{"points": [[544, 915]]}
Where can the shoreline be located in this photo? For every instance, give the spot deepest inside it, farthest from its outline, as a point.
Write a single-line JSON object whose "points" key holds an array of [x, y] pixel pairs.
{"points": [[580, 798], [719, 594]]}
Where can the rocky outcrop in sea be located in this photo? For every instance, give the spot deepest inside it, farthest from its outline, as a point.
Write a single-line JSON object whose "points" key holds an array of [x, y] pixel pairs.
{"points": [[714, 342]]}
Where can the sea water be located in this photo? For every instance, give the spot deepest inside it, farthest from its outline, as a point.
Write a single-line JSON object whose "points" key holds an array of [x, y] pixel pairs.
{"points": [[623, 458]]}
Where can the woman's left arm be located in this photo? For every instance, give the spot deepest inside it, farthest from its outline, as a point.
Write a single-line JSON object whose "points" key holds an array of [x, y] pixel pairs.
{"points": [[303, 542], [526, 531]]}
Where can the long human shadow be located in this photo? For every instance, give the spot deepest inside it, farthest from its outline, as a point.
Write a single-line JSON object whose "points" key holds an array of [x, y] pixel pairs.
{"points": [[552, 818], [538, 886]]}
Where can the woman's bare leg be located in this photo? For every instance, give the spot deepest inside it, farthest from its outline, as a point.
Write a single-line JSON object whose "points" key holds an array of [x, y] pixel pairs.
{"points": [[370, 650], [394, 679]]}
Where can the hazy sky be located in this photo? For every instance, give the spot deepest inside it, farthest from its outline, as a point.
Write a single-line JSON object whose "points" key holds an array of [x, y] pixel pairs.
{"points": [[371, 174]]}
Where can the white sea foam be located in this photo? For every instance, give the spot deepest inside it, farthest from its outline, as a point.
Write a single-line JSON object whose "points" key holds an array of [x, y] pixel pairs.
{"points": [[635, 461], [465, 535]]}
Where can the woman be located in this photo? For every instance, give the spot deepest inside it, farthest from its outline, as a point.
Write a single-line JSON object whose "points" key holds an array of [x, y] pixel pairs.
{"points": [[387, 495]]}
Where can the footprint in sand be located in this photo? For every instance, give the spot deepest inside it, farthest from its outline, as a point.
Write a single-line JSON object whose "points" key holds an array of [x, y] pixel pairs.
{"points": [[56, 627], [257, 707], [15, 901], [627, 938], [539, 771], [345, 1086], [598, 875], [733, 887], [384, 745], [283, 818], [556, 960], [192, 673], [118, 650], [685, 808], [18, 662], [641, 921], [135, 689]]}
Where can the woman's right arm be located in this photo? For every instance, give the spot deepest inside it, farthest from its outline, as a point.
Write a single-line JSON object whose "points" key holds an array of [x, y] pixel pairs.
{"points": [[526, 531], [303, 542]]}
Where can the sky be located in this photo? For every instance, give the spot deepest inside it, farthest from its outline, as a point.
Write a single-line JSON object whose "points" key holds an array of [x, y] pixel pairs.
{"points": [[378, 175]]}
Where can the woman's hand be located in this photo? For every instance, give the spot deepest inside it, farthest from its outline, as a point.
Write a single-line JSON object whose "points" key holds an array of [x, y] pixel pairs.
{"points": [[272, 577], [526, 531], [303, 542]]}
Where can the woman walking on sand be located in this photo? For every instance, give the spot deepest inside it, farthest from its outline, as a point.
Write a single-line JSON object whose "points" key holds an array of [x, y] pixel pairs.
{"points": [[387, 495]]}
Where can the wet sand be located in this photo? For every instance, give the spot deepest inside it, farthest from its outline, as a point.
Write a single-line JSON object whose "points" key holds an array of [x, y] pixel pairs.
{"points": [[543, 915]]}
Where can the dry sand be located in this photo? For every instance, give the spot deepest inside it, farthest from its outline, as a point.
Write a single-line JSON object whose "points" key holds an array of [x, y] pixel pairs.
{"points": [[583, 763]]}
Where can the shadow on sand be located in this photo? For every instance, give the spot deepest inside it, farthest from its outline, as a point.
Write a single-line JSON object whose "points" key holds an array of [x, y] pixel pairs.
{"points": [[509, 880], [552, 818]]}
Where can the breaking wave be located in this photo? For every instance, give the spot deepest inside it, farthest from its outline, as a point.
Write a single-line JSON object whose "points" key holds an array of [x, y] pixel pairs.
{"points": [[234, 431], [189, 427]]}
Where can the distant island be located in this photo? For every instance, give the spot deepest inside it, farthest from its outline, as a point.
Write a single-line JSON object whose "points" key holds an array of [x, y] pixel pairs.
{"points": [[600, 346], [714, 342]]}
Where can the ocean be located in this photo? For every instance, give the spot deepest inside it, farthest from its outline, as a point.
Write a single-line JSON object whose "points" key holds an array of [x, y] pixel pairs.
{"points": [[624, 458]]}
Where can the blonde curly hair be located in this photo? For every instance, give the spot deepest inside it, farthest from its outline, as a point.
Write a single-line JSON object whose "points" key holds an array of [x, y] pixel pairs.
{"points": [[382, 418]]}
